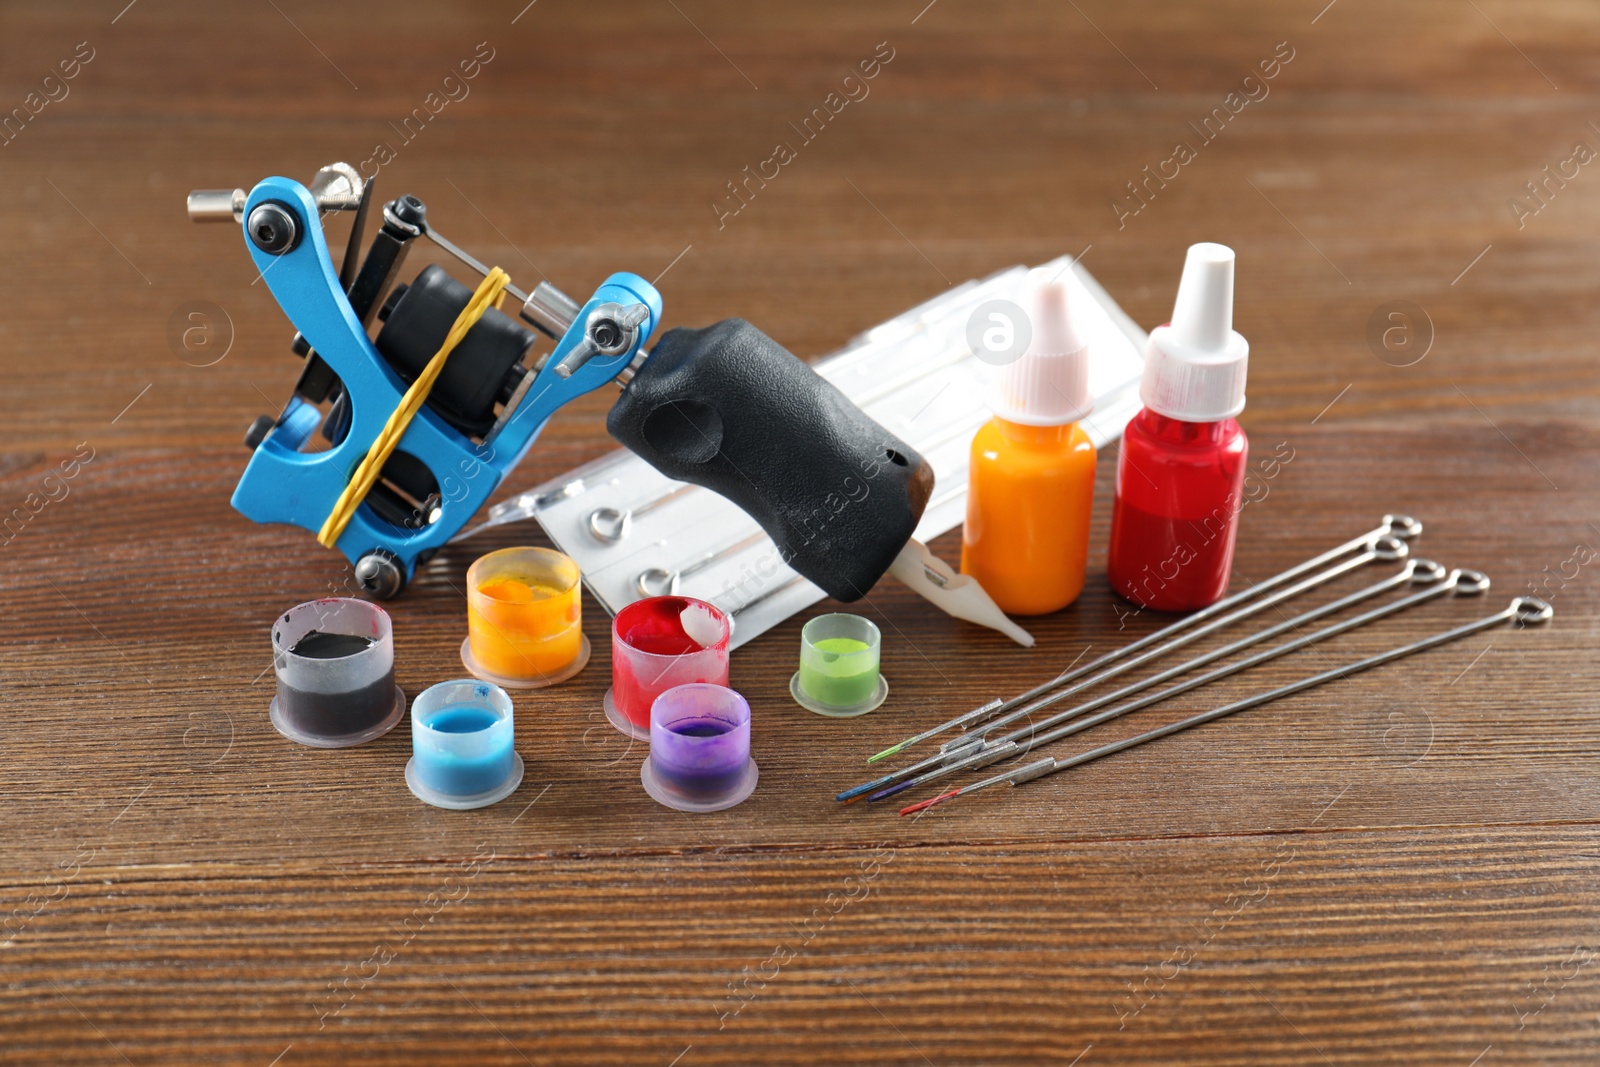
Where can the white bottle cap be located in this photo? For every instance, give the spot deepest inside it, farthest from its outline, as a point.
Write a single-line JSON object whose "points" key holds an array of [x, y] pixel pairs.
{"points": [[1049, 384], [1194, 369]]}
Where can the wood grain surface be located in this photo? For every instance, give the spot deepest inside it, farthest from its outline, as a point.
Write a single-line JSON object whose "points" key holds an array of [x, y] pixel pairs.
{"points": [[1401, 868]]}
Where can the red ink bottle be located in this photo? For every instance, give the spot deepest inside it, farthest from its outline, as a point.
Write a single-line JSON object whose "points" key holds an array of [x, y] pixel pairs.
{"points": [[1181, 466]]}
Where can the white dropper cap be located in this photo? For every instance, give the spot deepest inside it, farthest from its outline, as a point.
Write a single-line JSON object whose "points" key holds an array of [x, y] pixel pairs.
{"points": [[1049, 384], [1194, 369]]}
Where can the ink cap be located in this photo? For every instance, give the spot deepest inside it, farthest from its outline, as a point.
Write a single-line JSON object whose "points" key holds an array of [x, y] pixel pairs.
{"points": [[699, 749], [839, 667], [1194, 367], [463, 745], [1048, 385]]}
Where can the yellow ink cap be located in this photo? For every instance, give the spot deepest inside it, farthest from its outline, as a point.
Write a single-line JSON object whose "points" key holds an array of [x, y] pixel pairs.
{"points": [[524, 619]]}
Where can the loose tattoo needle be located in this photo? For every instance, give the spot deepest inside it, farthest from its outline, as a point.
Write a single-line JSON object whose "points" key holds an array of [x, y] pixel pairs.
{"points": [[1034, 735], [1403, 527], [1524, 611], [1383, 548]]}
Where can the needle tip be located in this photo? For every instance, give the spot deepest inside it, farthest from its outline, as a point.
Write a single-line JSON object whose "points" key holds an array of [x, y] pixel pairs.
{"points": [[923, 805], [886, 753], [891, 791], [855, 791]]}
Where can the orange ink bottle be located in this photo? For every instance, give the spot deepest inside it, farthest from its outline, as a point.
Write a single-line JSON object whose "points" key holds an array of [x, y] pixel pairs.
{"points": [[1030, 483]]}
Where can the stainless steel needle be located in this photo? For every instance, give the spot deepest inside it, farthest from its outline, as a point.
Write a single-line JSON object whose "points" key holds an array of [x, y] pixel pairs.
{"points": [[1401, 526], [1524, 611]]}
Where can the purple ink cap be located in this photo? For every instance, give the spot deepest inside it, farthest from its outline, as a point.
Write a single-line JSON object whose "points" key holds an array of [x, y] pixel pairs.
{"points": [[699, 748]]}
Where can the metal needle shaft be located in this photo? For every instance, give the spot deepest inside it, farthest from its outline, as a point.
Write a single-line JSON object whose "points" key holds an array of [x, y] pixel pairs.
{"points": [[1524, 610], [1384, 548], [1402, 526], [1036, 735]]}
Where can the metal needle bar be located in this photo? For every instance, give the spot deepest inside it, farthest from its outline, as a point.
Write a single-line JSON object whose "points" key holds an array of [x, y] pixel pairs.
{"points": [[1524, 611], [1457, 583], [658, 581], [950, 359], [548, 309], [1401, 526], [1384, 548], [610, 525], [525, 506], [1036, 735], [762, 598], [467, 258]]}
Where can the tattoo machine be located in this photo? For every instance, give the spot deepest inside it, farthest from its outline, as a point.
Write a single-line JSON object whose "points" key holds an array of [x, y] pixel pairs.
{"points": [[421, 423]]}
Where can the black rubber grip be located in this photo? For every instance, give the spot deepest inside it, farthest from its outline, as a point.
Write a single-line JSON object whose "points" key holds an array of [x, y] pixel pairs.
{"points": [[728, 408]]}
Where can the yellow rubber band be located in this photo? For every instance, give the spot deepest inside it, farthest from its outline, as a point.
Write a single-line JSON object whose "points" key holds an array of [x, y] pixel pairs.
{"points": [[487, 295]]}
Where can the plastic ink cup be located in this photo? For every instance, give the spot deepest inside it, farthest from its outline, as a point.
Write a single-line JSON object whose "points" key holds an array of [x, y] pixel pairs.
{"points": [[463, 752], [335, 664], [838, 673], [524, 619], [658, 643], [699, 749]]}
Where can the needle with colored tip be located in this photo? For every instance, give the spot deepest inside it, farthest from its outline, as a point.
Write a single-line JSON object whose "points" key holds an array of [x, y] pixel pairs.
{"points": [[1524, 611], [982, 757], [976, 715], [953, 761], [1037, 735], [1384, 548], [1015, 776], [1401, 526], [856, 792]]}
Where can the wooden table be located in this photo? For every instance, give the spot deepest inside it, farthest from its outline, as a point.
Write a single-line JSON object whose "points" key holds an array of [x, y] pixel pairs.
{"points": [[1400, 868]]}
